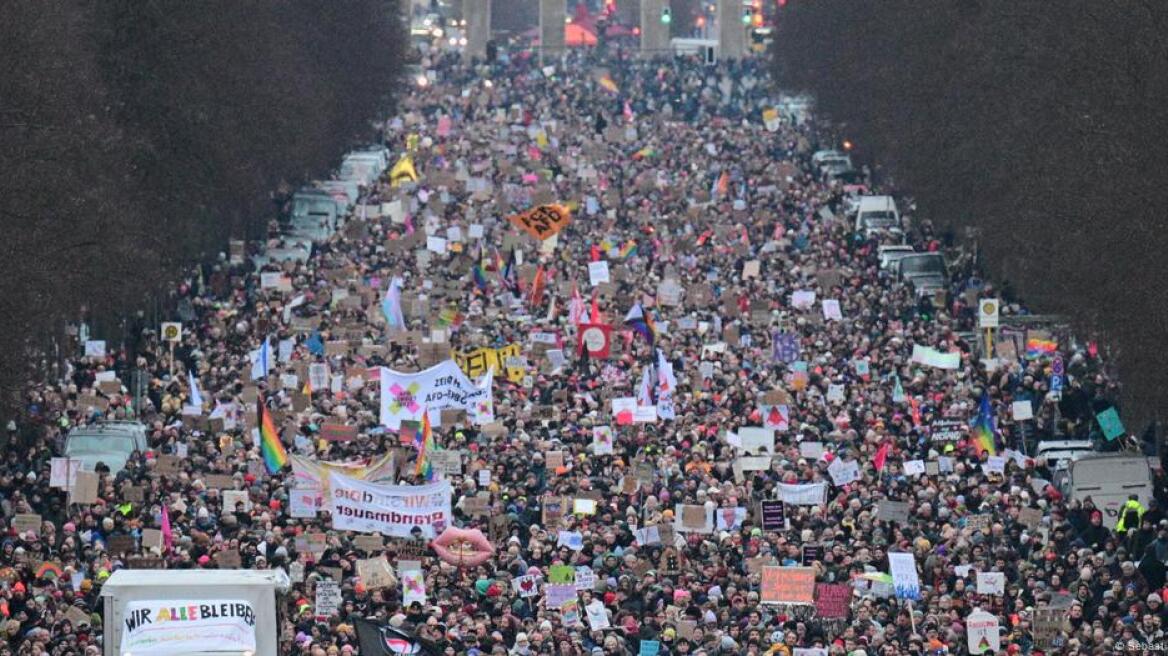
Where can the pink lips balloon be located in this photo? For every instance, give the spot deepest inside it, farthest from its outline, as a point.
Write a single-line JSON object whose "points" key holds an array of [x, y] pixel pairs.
{"points": [[463, 547]]}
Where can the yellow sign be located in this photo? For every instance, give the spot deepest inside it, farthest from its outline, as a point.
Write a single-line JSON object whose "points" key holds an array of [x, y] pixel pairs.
{"points": [[477, 362]]}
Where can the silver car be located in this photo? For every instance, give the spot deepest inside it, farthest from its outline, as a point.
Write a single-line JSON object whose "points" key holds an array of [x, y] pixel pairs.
{"points": [[110, 443]]}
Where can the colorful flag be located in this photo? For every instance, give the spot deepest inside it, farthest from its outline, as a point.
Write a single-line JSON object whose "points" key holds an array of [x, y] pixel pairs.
{"points": [[403, 171], [1037, 348], [449, 317], [983, 427], [510, 276], [645, 391], [647, 151], [641, 323], [423, 467], [628, 112], [391, 305], [275, 457], [628, 250], [480, 277], [606, 82]]}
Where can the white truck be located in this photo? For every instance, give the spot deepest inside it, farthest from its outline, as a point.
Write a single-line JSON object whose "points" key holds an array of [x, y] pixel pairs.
{"points": [[1109, 479], [154, 612]]}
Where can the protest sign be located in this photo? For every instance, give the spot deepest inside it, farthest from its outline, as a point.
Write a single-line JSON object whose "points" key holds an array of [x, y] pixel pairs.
{"points": [[328, 598], [772, 515], [557, 594], [991, 583], [843, 472], [833, 600], [981, 632], [893, 511], [392, 510], [1110, 423], [756, 439], [27, 523], [542, 222], [947, 430], [933, 358], [375, 573], [1048, 624], [787, 585], [413, 587], [525, 586], [693, 519], [903, 568]]}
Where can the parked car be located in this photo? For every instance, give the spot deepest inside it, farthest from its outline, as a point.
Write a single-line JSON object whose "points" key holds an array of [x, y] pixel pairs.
{"points": [[109, 443], [925, 271]]}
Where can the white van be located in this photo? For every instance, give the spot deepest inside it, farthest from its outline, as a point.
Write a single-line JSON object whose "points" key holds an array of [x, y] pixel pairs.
{"points": [[878, 214], [1109, 479]]}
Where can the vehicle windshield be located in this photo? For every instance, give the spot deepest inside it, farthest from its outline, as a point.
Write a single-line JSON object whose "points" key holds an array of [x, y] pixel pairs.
{"points": [[83, 444], [879, 219], [923, 264]]}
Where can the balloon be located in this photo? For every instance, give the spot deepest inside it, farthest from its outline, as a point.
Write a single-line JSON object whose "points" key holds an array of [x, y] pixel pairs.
{"points": [[463, 547]]}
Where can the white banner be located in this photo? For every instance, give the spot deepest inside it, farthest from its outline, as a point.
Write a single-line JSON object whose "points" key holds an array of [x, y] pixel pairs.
{"points": [[171, 626], [809, 494], [404, 397], [392, 510]]}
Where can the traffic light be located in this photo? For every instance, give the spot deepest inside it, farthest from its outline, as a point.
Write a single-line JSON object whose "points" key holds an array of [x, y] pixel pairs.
{"points": [[666, 15], [747, 16]]}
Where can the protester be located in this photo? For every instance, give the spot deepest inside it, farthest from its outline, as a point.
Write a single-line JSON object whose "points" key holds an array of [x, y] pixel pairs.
{"points": [[672, 176]]}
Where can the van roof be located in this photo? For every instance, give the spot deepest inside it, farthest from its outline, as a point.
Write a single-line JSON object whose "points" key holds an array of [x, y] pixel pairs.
{"points": [[179, 578], [877, 203]]}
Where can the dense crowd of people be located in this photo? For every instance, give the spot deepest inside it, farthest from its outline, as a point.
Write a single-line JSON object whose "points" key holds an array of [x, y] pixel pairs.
{"points": [[672, 175]]}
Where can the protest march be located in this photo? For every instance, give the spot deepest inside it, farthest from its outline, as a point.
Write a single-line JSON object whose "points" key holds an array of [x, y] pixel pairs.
{"points": [[601, 364]]}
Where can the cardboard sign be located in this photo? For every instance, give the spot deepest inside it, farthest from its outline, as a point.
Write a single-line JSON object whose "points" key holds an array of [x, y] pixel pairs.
{"points": [[120, 544], [787, 585], [543, 221], [375, 573], [229, 559], [168, 464], [893, 511], [369, 543], [338, 433], [27, 523], [84, 488]]}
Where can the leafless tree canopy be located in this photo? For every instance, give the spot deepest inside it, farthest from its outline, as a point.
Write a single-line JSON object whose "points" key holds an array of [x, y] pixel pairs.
{"points": [[138, 136], [1042, 125]]}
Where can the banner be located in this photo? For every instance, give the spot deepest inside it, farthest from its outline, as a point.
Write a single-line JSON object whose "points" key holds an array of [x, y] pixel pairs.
{"points": [[477, 362], [392, 510], [543, 221], [404, 397], [787, 585], [174, 626], [931, 357], [808, 494], [309, 473]]}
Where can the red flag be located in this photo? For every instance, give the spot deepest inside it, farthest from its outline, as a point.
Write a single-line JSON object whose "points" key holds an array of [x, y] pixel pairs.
{"points": [[596, 338], [595, 254], [595, 308], [916, 411], [881, 455]]}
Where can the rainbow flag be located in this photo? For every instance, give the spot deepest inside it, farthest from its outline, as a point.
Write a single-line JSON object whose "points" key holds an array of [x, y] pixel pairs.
{"points": [[983, 428], [449, 317], [641, 323], [647, 151], [606, 82], [425, 442], [480, 277], [1038, 348], [628, 250], [275, 457]]}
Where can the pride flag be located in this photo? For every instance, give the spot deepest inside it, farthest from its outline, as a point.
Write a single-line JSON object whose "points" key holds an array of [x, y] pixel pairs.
{"points": [[983, 428], [606, 82], [628, 250], [1037, 348], [641, 323], [425, 441], [275, 457]]}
